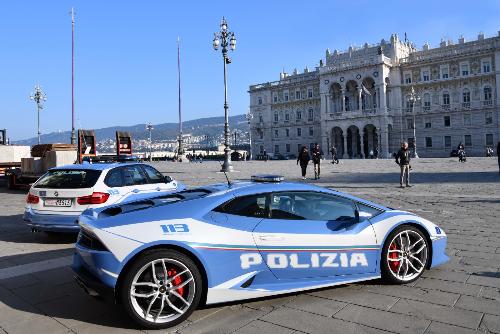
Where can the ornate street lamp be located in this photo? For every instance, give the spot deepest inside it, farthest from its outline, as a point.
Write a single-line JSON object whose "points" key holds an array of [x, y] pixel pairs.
{"points": [[413, 99], [150, 128], [39, 97], [225, 38], [249, 117]]}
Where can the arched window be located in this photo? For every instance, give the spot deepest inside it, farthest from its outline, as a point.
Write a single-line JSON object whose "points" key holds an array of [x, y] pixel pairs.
{"points": [[426, 101], [466, 98]]}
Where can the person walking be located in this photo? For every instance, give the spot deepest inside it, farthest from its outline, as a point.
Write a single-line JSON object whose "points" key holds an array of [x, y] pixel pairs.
{"points": [[316, 158], [498, 156], [403, 160], [335, 160], [303, 158], [265, 155]]}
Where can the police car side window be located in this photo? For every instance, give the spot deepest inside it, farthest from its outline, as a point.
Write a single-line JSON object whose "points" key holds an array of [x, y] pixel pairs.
{"points": [[133, 175], [114, 178], [312, 206], [154, 176], [248, 206]]}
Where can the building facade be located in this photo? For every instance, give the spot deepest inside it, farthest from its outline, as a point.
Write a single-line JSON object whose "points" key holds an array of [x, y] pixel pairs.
{"points": [[361, 101]]}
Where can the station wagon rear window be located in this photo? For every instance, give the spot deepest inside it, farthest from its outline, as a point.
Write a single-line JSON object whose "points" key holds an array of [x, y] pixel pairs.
{"points": [[68, 179]]}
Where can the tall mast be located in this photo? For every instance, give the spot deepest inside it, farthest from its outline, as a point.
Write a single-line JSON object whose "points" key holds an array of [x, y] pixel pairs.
{"points": [[73, 135], [181, 150]]}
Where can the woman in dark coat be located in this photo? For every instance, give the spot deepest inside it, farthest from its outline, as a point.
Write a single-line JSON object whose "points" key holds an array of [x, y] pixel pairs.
{"points": [[303, 158]]}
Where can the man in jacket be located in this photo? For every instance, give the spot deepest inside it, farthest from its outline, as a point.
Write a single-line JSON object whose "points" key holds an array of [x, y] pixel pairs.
{"points": [[403, 160], [316, 158], [303, 159]]}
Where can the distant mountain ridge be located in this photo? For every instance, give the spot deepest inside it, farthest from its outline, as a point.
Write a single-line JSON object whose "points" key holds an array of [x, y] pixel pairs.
{"points": [[211, 126]]}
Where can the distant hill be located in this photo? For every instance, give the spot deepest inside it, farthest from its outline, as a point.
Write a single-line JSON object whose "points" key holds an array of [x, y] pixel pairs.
{"points": [[212, 126]]}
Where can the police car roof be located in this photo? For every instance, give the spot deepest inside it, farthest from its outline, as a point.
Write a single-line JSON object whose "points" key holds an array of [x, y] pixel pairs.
{"points": [[95, 166]]}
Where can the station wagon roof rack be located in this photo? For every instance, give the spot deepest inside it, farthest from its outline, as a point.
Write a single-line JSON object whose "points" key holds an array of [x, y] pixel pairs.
{"points": [[267, 178]]}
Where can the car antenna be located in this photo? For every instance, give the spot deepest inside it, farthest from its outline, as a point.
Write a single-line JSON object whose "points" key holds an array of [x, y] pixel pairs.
{"points": [[225, 174]]}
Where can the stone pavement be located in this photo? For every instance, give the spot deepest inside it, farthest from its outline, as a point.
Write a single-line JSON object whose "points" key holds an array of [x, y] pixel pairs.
{"points": [[37, 292]]}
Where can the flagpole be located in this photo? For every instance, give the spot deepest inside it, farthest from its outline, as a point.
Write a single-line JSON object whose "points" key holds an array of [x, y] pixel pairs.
{"points": [[73, 135], [180, 149]]}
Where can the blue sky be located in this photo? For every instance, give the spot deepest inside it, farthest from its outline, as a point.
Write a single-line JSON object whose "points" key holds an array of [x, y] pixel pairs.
{"points": [[126, 51]]}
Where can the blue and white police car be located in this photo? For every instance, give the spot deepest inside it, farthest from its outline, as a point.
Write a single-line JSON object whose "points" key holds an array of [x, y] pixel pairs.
{"points": [[55, 201], [161, 257]]}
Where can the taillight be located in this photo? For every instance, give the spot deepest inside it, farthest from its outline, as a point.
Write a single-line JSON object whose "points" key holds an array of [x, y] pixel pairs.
{"points": [[95, 198], [32, 199]]}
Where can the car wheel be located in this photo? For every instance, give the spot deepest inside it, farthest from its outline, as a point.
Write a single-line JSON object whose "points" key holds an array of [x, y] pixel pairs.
{"points": [[161, 289], [405, 255]]}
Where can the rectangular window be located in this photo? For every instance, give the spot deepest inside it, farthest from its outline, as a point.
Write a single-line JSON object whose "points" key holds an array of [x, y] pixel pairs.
{"points": [[447, 141], [275, 116], [276, 149], [407, 77], [287, 148], [275, 97], [468, 140], [467, 120], [426, 75], [261, 149], [409, 123], [286, 97], [489, 139], [445, 72], [260, 100], [310, 115], [486, 66], [297, 95], [299, 147], [428, 141], [287, 117], [311, 131], [464, 69], [287, 132], [299, 132], [427, 122], [488, 118], [309, 93], [276, 134], [261, 119], [299, 115], [447, 121]]}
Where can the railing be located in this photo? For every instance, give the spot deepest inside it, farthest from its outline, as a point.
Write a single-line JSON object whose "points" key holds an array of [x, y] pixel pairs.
{"points": [[355, 113], [473, 105]]}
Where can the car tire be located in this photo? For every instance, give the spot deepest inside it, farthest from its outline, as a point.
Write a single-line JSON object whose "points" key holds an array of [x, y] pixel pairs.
{"points": [[168, 299], [405, 255]]}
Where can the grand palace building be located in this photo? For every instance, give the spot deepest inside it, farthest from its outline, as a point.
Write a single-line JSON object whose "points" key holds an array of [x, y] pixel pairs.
{"points": [[373, 97]]}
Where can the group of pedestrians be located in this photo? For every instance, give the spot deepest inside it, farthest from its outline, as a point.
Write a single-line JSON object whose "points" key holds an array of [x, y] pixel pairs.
{"points": [[403, 158], [304, 158]]}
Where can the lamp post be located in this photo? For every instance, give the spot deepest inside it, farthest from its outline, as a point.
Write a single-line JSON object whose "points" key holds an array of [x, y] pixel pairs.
{"points": [[225, 38], [39, 97], [249, 117], [414, 97], [150, 128]]}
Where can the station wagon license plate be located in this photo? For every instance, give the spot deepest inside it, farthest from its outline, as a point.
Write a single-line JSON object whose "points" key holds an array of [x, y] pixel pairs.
{"points": [[58, 202]]}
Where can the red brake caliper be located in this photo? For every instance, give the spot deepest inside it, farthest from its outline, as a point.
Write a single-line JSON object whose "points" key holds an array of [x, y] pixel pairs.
{"points": [[393, 255], [176, 281]]}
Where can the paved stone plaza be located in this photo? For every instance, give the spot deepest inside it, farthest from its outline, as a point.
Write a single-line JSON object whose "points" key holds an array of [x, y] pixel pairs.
{"points": [[38, 294]]}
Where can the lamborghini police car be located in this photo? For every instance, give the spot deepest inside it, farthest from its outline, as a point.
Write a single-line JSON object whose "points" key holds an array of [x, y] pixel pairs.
{"points": [[55, 201], [161, 257]]}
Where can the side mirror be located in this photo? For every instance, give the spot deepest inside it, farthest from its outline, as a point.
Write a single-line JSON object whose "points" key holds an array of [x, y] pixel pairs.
{"points": [[168, 179]]}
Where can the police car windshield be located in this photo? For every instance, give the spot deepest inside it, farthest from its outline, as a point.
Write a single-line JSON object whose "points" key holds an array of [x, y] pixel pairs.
{"points": [[68, 179]]}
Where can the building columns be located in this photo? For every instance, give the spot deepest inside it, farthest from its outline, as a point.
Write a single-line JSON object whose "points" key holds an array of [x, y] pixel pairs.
{"points": [[360, 104], [362, 142], [344, 149], [382, 97], [342, 101]]}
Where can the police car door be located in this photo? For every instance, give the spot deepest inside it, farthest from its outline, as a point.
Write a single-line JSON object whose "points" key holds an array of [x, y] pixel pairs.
{"points": [[312, 234]]}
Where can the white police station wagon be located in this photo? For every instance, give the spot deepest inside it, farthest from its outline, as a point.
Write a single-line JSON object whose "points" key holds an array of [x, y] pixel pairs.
{"points": [[55, 201]]}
